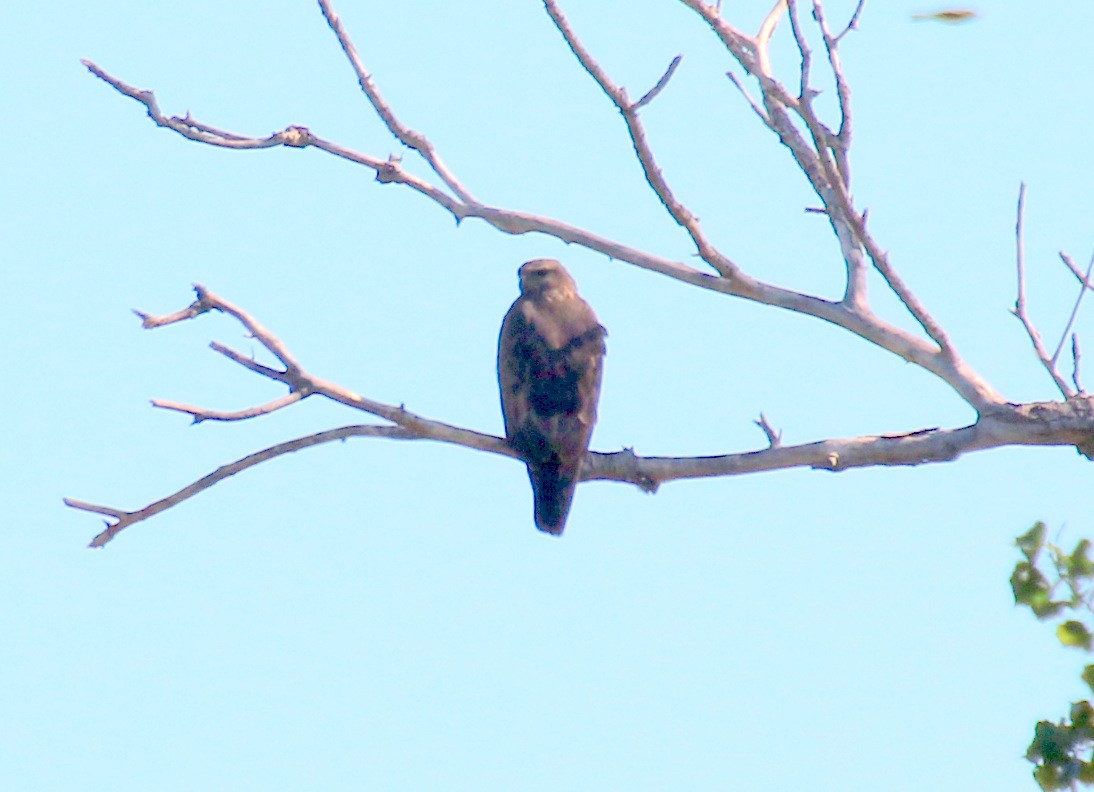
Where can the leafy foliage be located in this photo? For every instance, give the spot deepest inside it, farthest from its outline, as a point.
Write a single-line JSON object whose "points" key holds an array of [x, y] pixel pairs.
{"points": [[1053, 583]]}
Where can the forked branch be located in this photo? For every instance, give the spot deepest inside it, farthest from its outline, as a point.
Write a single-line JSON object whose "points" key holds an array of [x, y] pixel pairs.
{"points": [[852, 313], [823, 157], [1022, 312], [1038, 424]]}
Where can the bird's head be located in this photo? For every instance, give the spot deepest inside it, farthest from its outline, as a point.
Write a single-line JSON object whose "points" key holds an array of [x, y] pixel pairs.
{"points": [[546, 279]]}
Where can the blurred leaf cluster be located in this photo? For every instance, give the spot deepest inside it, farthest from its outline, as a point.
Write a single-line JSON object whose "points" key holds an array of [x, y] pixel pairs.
{"points": [[1055, 584]]}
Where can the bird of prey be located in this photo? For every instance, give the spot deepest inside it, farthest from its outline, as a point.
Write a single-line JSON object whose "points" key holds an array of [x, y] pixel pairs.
{"points": [[550, 353]]}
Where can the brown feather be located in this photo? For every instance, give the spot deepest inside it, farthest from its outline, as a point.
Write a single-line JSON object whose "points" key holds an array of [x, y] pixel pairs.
{"points": [[550, 355]]}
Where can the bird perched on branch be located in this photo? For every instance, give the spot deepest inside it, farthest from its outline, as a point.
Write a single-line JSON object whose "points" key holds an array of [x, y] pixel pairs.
{"points": [[550, 355]]}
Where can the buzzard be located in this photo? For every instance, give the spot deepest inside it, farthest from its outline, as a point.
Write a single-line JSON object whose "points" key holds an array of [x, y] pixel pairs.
{"points": [[549, 367]]}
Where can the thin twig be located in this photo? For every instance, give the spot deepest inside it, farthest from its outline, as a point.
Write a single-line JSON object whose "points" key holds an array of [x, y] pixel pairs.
{"points": [[759, 111], [196, 308], [843, 92], [257, 331], [656, 179], [805, 53], [127, 518], [408, 137], [656, 89], [774, 437], [1074, 311], [200, 414], [303, 383], [1078, 273], [763, 37], [249, 363], [852, 24], [1020, 303]]}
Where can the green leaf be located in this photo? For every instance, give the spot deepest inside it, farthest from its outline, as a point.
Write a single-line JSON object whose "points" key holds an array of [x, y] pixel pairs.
{"points": [[1031, 542], [1050, 743], [1032, 590], [1086, 772], [1082, 720], [1050, 777], [1073, 633], [1088, 676], [1079, 564], [1026, 582]]}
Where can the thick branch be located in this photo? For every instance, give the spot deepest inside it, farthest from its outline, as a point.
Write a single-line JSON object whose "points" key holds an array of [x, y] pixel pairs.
{"points": [[1041, 424], [1069, 423]]}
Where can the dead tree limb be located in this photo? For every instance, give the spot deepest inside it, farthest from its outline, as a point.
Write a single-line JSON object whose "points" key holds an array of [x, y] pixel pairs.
{"points": [[1071, 423], [821, 150]]}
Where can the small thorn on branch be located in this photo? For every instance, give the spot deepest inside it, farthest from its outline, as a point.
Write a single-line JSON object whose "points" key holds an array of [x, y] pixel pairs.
{"points": [[774, 437], [853, 23]]}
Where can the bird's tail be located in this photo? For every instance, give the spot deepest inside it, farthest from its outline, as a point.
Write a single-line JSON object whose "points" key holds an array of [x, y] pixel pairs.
{"points": [[553, 488]]}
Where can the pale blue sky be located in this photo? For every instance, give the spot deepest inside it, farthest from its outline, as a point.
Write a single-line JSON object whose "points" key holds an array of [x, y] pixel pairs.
{"points": [[376, 615]]}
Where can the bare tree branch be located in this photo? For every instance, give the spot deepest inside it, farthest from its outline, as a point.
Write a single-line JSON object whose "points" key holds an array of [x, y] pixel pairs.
{"points": [[1020, 303], [656, 179], [821, 154], [407, 136], [127, 518], [817, 164], [651, 94], [1078, 273], [860, 322], [1034, 424], [1042, 424], [852, 23], [774, 437], [1074, 311], [759, 111], [1070, 423], [842, 141], [248, 363], [200, 414], [763, 36], [303, 384]]}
